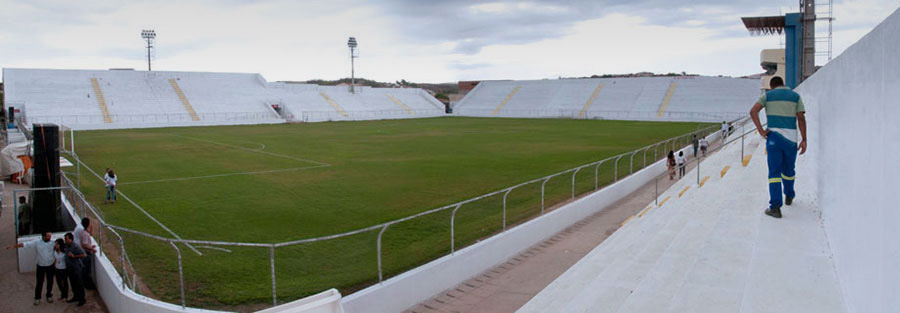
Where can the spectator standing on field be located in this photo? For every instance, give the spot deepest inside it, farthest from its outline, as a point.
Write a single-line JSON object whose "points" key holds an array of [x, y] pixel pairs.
{"points": [[704, 144], [785, 114], [110, 179], [83, 239], [681, 161], [43, 251], [696, 143], [670, 161], [59, 256], [74, 255]]}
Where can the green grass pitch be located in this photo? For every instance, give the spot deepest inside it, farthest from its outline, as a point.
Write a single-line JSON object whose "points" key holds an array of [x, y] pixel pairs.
{"points": [[275, 183]]}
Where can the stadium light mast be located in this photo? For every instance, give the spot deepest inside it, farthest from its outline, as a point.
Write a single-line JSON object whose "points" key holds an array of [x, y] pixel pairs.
{"points": [[353, 54], [149, 35]]}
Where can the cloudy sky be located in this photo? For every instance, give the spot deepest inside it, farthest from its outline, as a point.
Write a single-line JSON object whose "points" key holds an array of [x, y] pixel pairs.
{"points": [[416, 40]]}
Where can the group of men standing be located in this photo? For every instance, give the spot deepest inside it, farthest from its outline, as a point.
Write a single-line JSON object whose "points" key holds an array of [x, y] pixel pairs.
{"points": [[68, 260]]}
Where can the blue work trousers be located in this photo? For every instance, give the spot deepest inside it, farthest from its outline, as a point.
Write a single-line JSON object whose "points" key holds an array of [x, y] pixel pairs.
{"points": [[781, 155]]}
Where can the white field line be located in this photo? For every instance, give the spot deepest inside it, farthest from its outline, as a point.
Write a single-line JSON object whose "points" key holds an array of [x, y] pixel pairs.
{"points": [[262, 146], [226, 174], [253, 150], [142, 210]]}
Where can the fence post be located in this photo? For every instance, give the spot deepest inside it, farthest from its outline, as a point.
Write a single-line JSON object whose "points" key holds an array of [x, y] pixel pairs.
{"points": [[504, 208], [380, 279], [631, 162], [597, 176], [542, 194], [573, 181], [180, 271], [452, 229], [272, 265], [616, 170], [656, 190], [698, 169], [645, 156]]}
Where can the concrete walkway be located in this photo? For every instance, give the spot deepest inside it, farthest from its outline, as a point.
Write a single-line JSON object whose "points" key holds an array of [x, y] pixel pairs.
{"points": [[508, 286], [17, 289], [708, 249]]}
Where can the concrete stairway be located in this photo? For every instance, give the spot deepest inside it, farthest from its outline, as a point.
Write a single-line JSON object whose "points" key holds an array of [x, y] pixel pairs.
{"points": [[708, 250], [101, 101]]}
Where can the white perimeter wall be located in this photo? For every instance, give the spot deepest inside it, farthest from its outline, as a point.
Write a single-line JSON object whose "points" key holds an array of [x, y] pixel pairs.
{"points": [[853, 105]]}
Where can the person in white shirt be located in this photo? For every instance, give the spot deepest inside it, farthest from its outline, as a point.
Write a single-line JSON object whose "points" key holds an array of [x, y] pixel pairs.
{"points": [[59, 255], [82, 235], [43, 251], [110, 180], [704, 144], [681, 160], [724, 130]]}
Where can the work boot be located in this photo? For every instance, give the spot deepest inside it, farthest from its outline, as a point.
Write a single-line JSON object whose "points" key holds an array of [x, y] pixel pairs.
{"points": [[774, 212], [788, 200]]}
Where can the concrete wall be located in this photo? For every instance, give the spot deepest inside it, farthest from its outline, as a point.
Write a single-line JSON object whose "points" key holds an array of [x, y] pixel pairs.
{"points": [[417, 285], [115, 295], [853, 105]]}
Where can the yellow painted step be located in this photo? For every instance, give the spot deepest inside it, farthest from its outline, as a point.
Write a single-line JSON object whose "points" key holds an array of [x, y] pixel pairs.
{"points": [[101, 101], [664, 201], [509, 96], [746, 160], [397, 101], [587, 104], [666, 99], [333, 104], [725, 170], [703, 181], [184, 99], [683, 191]]}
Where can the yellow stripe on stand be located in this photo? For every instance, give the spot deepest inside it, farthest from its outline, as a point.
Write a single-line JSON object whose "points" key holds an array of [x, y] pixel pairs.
{"points": [[645, 211], [333, 104], [509, 96], [703, 181], [184, 100], [725, 170], [683, 191], [664, 201], [587, 104], [665, 102], [408, 110], [101, 101], [746, 160]]}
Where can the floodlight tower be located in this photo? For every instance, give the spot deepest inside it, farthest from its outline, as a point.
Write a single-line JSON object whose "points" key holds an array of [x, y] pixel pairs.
{"points": [[149, 35], [353, 55]]}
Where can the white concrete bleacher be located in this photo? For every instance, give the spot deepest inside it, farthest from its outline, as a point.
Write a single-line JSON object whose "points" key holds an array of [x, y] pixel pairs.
{"points": [[709, 250], [693, 98], [100, 99]]}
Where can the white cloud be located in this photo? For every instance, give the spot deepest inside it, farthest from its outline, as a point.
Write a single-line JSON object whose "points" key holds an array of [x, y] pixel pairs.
{"points": [[287, 40]]}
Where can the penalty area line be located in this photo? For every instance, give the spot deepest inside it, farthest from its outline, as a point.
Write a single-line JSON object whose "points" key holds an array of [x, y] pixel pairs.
{"points": [[143, 211], [226, 175], [253, 150]]}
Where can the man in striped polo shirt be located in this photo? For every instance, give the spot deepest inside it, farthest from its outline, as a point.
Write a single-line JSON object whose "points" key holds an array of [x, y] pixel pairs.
{"points": [[784, 112]]}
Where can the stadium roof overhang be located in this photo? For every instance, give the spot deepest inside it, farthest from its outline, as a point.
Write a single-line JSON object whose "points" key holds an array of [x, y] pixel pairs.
{"points": [[764, 25]]}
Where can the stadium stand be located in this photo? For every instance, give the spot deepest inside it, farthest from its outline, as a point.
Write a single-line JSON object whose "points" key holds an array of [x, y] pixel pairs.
{"points": [[683, 98], [701, 251], [103, 99]]}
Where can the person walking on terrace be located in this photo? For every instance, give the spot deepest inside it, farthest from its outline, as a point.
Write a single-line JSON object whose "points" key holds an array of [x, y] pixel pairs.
{"points": [[681, 159], [670, 160], [785, 114], [696, 144], [43, 252], [704, 144]]}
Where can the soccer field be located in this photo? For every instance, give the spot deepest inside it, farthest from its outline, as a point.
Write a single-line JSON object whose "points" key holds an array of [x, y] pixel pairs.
{"points": [[275, 183]]}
